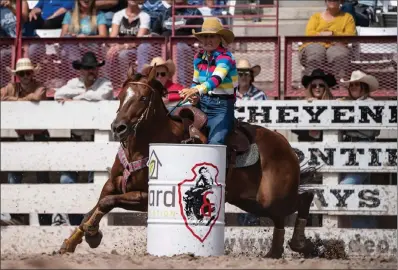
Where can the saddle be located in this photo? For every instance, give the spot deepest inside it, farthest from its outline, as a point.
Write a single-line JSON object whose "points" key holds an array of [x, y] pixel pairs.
{"points": [[194, 120]]}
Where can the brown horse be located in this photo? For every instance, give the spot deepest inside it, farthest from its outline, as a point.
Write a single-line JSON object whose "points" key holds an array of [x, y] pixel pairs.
{"points": [[267, 188]]}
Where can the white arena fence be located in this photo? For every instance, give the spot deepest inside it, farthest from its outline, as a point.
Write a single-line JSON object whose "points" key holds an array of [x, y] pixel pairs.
{"points": [[331, 200]]}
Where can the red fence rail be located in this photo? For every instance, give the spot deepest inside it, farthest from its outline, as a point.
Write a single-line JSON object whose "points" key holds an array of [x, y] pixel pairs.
{"points": [[7, 59], [375, 55], [263, 51]]}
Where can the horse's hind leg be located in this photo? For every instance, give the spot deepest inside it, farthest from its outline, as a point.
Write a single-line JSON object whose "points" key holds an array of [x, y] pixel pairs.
{"points": [[298, 242]]}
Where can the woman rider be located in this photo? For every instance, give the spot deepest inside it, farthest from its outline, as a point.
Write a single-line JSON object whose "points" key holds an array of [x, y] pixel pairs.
{"points": [[214, 79]]}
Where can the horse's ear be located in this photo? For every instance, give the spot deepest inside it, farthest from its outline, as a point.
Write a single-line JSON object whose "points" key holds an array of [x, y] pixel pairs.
{"points": [[131, 70], [152, 74]]}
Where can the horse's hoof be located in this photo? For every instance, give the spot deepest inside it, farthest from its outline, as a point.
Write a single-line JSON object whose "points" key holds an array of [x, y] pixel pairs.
{"points": [[274, 254], [93, 240], [67, 247], [306, 248]]}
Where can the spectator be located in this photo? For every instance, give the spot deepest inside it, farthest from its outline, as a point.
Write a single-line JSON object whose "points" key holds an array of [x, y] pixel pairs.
{"points": [[359, 88], [331, 22], [318, 86], [155, 8], [49, 14], [163, 26], [209, 10], [132, 22], [109, 8], [84, 21], [164, 74], [246, 90], [8, 17], [88, 87], [28, 89]]}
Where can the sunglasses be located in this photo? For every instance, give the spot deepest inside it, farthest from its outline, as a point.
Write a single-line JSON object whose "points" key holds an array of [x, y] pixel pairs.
{"points": [[244, 73], [319, 85], [160, 74], [24, 73]]}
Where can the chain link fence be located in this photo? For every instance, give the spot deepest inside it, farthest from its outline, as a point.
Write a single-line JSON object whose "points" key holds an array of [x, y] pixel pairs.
{"points": [[7, 54], [340, 56], [56, 55]]}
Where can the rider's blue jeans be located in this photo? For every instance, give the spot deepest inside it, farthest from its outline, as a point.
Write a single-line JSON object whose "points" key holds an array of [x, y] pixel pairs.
{"points": [[220, 117]]}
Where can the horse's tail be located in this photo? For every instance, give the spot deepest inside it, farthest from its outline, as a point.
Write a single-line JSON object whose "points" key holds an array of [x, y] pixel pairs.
{"points": [[308, 176]]}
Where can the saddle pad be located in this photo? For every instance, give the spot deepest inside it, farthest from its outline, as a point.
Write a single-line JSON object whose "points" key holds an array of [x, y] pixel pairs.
{"points": [[248, 158]]}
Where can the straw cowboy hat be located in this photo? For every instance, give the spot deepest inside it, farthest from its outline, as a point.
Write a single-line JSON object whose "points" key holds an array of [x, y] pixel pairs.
{"points": [[89, 60], [24, 64], [159, 61], [359, 76], [245, 64], [319, 74], [213, 26]]}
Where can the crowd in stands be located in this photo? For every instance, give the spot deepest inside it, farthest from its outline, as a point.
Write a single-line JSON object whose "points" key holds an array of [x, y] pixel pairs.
{"points": [[325, 63]]}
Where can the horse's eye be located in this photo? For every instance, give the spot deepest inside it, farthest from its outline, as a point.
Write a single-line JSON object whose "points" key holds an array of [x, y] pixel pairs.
{"points": [[144, 98]]}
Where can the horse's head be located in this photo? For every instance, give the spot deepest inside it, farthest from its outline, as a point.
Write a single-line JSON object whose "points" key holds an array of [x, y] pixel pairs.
{"points": [[140, 100]]}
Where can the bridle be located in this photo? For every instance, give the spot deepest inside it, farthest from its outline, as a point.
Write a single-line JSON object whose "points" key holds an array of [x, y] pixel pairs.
{"points": [[143, 116]]}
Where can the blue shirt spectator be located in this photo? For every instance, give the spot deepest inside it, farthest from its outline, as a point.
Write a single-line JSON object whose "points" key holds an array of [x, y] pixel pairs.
{"points": [[155, 8], [49, 7], [85, 23]]}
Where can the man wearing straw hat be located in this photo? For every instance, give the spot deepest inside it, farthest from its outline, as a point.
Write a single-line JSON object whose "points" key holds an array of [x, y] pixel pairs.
{"points": [[246, 90], [215, 78]]}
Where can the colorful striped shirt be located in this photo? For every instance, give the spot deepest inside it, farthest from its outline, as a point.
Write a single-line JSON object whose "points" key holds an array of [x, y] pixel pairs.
{"points": [[215, 72], [252, 94]]}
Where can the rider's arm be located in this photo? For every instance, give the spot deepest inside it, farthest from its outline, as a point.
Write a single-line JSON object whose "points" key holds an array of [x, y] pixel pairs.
{"points": [[223, 65]]}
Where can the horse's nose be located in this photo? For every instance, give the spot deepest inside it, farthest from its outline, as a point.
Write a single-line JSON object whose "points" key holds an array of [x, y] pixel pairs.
{"points": [[119, 128]]}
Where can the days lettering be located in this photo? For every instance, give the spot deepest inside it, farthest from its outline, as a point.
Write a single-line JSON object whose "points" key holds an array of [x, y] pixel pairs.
{"points": [[374, 157], [327, 158], [283, 113], [341, 199], [377, 116], [339, 114], [253, 113], [392, 157], [369, 198], [352, 155], [321, 198], [393, 115], [315, 115], [164, 198]]}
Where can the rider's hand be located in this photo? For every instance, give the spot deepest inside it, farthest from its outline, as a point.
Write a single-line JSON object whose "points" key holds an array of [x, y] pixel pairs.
{"points": [[194, 99], [187, 93]]}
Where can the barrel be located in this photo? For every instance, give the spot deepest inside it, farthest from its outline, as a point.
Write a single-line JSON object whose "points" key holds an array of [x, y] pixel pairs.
{"points": [[186, 199]]}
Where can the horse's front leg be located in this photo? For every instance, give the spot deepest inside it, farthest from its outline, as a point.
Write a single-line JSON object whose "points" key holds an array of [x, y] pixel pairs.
{"points": [[69, 245]]}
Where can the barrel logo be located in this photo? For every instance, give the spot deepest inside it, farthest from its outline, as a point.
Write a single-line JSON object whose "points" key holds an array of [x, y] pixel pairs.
{"points": [[153, 165], [200, 200]]}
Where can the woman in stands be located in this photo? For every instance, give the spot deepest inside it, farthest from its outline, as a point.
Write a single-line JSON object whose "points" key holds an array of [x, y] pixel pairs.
{"points": [[331, 22], [164, 74], [360, 86], [128, 22], [317, 86], [215, 78]]}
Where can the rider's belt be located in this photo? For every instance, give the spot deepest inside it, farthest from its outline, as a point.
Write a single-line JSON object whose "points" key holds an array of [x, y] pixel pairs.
{"points": [[223, 96]]}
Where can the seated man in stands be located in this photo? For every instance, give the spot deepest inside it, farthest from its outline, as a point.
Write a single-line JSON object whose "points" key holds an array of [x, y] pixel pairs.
{"points": [[155, 8], [246, 90], [49, 14], [88, 86], [163, 27], [109, 8], [8, 17], [164, 74], [331, 22]]}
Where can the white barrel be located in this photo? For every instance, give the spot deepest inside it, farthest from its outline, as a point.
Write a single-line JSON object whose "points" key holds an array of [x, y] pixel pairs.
{"points": [[186, 199]]}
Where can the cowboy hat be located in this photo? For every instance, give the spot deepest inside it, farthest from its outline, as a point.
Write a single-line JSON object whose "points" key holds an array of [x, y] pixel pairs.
{"points": [[318, 74], [359, 76], [159, 61], [213, 26], [245, 64], [24, 64], [88, 61]]}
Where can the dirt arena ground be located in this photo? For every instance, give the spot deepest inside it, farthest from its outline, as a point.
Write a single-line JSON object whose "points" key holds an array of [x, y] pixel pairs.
{"points": [[115, 261]]}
